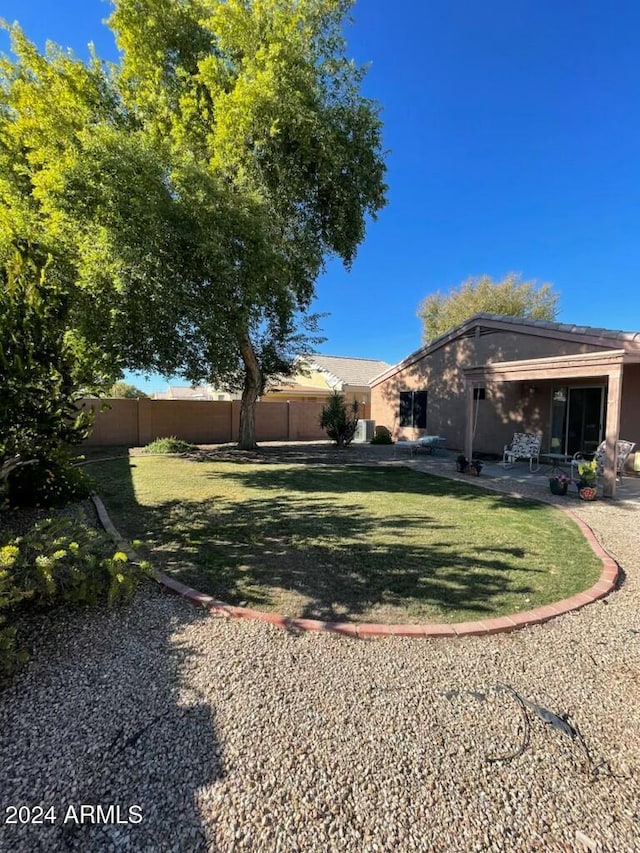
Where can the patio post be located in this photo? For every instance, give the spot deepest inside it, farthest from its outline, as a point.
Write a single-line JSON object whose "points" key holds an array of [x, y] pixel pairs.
{"points": [[613, 429], [468, 434]]}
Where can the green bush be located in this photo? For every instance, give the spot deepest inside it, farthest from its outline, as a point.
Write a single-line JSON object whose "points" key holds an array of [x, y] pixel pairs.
{"points": [[52, 482], [44, 369], [340, 420], [382, 436], [170, 444], [60, 560], [10, 596]]}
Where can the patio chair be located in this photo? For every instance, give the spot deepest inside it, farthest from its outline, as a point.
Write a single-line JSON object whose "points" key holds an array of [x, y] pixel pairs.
{"points": [[525, 445], [623, 450]]}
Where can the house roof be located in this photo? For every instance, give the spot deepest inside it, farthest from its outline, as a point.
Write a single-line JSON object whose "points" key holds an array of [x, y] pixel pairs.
{"points": [[347, 371], [184, 392], [605, 338], [593, 331], [297, 388]]}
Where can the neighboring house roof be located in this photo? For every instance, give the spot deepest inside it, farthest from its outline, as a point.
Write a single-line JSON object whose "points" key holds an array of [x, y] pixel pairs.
{"points": [[292, 387], [184, 392], [605, 338], [320, 375], [341, 370]]}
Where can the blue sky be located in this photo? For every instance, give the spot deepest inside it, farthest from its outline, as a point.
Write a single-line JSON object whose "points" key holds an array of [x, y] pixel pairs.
{"points": [[513, 131]]}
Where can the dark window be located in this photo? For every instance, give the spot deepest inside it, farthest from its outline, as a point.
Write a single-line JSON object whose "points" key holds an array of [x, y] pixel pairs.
{"points": [[406, 408], [413, 409], [420, 409], [479, 393]]}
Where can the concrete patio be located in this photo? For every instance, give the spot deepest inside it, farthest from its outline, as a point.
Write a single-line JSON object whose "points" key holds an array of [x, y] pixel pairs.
{"points": [[518, 478]]}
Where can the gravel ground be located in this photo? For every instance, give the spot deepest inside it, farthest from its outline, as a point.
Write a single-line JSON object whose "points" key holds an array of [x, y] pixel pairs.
{"points": [[238, 736]]}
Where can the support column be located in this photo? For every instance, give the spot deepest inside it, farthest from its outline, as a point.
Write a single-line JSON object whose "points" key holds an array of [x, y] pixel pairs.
{"points": [[614, 396], [468, 433]]}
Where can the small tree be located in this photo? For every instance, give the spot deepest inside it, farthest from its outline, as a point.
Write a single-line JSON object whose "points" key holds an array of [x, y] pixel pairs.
{"points": [[339, 419], [512, 297], [126, 390]]}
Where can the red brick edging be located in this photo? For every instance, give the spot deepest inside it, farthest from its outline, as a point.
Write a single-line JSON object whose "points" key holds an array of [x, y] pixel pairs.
{"points": [[500, 624]]}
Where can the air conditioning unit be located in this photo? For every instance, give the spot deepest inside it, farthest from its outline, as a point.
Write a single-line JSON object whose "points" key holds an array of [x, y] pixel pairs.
{"points": [[364, 431]]}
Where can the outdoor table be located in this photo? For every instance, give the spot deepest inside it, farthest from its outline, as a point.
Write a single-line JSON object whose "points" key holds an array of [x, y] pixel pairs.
{"points": [[426, 442], [430, 442], [557, 460]]}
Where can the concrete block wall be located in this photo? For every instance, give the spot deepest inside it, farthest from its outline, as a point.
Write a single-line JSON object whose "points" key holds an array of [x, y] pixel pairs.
{"points": [[137, 422]]}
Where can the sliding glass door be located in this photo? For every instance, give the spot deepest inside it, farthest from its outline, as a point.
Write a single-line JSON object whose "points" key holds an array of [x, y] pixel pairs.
{"points": [[577, 418]]}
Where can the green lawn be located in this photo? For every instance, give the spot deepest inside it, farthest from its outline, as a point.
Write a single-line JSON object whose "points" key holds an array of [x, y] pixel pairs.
{"points": [[367, 543]]}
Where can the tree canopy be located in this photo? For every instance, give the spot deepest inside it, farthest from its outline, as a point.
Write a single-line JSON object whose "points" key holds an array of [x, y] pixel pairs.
{"points": [[126, 390], [42, 374], [441, 312], [194, 189]]}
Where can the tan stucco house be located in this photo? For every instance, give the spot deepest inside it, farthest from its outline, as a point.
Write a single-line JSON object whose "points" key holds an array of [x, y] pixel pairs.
{"points": [[492, 376], [320, 375]]}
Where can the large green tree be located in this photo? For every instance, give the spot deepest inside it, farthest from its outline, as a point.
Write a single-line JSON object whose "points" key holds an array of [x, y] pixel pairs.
{"points": [[198, 185], [441, 312], [46, 103], [43, 372]]}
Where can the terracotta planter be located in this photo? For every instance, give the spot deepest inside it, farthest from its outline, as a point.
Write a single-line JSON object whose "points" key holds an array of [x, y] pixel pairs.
{"points": [[558, 488], [587, 493]]}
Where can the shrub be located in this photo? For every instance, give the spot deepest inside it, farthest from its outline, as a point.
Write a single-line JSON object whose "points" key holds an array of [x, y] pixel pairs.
{"points": [[10, 596], [45, 367], [59, 561], [170, 444], [339, 420], [382, 436], [52, 482], [588, 472]]}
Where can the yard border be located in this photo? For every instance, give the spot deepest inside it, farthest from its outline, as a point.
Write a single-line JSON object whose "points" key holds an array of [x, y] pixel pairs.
{"points": [[498, 625]]}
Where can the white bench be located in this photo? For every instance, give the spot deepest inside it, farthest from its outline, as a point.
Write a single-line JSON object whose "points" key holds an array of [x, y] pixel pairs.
{"points": [[426, 442]]}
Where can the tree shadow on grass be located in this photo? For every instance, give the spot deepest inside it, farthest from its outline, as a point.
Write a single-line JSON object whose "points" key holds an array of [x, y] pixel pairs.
{"points": [[372, 479], [325, 561]]}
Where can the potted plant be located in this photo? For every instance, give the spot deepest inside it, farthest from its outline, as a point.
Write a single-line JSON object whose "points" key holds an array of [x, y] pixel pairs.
{"points": [[475, 467], [465, 467], [559, 483], [462, 463], [587, 484]]}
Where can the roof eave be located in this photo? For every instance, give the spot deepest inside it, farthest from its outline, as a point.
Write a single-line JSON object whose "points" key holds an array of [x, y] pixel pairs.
{"points": [[580, 334]]}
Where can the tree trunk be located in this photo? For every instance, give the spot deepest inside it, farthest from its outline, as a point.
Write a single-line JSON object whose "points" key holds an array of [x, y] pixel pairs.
{"points": [[10, 464], [253, 387]]}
